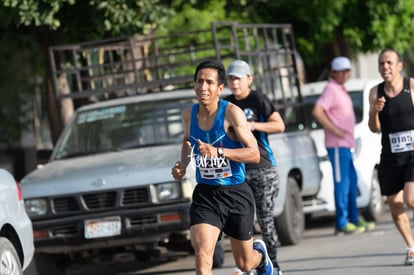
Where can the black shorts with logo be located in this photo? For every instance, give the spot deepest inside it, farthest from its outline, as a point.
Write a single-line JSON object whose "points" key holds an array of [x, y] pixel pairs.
{"points": [[230, 208]]}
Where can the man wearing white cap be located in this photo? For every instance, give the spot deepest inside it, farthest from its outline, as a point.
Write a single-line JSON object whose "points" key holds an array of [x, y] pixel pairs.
{"points": [[334, 111], [262, 177]]}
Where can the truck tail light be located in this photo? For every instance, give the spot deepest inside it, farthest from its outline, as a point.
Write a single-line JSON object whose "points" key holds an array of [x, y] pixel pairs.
{"points": [[19, 191]]}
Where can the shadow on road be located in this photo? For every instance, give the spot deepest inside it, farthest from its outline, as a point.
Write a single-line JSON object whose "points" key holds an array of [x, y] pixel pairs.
{"points": [[116, 267]]}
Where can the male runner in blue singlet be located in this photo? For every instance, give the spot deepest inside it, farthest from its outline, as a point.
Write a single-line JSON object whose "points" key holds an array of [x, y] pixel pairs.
{"points": [[217, 138]]}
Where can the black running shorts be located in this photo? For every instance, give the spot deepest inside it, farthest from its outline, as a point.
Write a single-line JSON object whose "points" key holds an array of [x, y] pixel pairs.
{"points": [[393, 173], [230, 208]]}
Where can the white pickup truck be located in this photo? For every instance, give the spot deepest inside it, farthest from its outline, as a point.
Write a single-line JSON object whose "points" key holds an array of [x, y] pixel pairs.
{"points": [[107, 186], [366, 154]]}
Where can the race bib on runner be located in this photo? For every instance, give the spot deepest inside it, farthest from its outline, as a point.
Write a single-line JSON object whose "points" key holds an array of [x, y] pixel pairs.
{"points": [[214, 168], [402, 141]]}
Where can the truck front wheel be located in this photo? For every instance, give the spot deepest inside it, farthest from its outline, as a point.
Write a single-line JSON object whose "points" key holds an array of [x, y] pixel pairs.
{"points": [[290, 224], [218, 257], [46, 264]]}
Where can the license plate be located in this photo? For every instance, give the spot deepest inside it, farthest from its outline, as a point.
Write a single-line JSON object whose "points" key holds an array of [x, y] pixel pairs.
{"points": [[104, 227]]}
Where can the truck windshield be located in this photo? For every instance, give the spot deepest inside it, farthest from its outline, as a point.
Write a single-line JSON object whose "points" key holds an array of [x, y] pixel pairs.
{"points": [[123, 127]]}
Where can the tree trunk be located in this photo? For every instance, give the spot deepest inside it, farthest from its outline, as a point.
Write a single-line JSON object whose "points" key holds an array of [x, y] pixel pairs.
{"points": [[66, 104], [336, 47], [53, 106], [58, 112]]}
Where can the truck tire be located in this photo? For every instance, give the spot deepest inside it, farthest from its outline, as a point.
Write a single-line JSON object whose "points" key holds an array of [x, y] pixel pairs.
{"points": [[376, 206], [10, 262], [290, 224], [179, 242], [218, 256], [46, 265]]}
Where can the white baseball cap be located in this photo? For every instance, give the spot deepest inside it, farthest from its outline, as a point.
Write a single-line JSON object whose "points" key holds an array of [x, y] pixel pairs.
{"points": [[239, 68], [341, 63]]}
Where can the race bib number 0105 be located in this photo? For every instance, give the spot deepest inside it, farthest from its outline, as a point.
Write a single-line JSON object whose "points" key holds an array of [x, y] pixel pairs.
{"points": [[402, 141]]}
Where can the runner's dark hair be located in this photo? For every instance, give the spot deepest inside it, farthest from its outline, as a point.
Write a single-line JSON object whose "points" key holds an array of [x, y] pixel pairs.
{"points": [[212, 64]]}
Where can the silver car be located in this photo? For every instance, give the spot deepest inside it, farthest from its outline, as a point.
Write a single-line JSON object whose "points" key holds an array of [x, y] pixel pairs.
{"points": [[16, 233]]}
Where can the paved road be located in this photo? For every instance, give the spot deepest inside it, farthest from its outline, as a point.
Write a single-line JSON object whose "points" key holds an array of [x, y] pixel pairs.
{"points": [[378, 252]]}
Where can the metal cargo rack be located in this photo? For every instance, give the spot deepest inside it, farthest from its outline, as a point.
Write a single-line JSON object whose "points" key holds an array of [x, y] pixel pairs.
{"points": [[147, 63]]}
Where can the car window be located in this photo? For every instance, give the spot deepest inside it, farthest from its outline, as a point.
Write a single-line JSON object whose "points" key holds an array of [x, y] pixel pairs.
{"points": [[357, 100], [309, 102], [123, 127]]}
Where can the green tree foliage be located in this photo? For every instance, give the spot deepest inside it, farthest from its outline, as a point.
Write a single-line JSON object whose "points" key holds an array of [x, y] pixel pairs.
{"points": [[322, 28], [193, 15], [90, 19], [328, 28], [17, 82], [55, 22], [14, 92]]}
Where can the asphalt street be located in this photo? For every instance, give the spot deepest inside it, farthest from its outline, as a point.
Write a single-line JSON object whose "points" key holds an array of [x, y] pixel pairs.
{"points": [[380, 251]]}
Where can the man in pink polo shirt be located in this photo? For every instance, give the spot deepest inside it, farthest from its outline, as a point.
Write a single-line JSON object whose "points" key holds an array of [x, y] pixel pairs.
{"points": [[334, 111]]}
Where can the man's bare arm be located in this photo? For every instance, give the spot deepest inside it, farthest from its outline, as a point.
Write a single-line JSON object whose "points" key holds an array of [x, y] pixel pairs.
{"points": [[274, 124], [375, 106], [179, 168], [319, 114]]}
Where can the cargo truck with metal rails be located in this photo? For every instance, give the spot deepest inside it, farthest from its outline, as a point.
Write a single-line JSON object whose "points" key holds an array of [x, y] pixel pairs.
{"points": [[107, 186]]}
